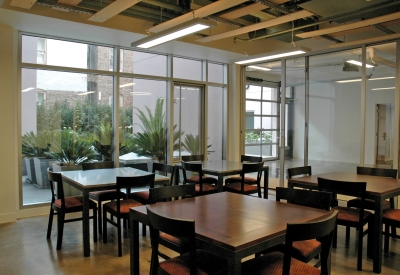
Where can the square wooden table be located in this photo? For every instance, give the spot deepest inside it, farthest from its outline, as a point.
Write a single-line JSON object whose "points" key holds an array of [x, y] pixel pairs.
{"points": [[231, 225], [223, 168], [378, 189], [96, 180]]}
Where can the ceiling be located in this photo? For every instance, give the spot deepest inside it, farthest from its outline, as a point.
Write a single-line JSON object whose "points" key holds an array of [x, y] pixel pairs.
{"points": [[239, 21]]}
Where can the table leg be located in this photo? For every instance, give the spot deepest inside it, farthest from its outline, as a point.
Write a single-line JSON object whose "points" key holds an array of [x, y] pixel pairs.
{"points": [[134, 246], [234, 266], [220, 183], [266, 182], [377, 236], [85, 224]]}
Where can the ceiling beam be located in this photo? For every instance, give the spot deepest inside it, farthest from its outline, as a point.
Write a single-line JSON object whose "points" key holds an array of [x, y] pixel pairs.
{"points": [[356, 25], [262, 25], [243, 11], [199, 13], [366, 41], [112, 10], [69, 2], [25, 4]]}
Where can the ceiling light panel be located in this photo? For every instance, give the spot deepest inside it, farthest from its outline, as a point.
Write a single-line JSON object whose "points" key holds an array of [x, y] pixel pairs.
{"points": [[359, 63], [271, 55]]}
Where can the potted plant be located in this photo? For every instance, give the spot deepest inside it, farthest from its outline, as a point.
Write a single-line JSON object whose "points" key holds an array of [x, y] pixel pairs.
{"points": [[192, 144]]}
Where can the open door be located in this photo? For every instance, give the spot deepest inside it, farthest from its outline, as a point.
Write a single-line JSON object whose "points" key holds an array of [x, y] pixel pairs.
{"points": [[384, 134]]}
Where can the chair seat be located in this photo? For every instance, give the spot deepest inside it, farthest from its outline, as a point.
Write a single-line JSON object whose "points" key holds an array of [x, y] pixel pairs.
{"points": [[237, 187], [207, 263], [205, 179], [124, 206], [207, 188], [106, 195], [272, 264], [247, 180], [392, 216], [369, 204], [73, 204], [301, 250], [351, 215], [141, 196]]}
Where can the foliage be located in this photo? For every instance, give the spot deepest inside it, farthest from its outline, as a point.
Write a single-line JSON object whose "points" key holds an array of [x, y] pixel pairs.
{"points": [[36, 145], [266, 136], [69, 148], [192, 144], [152, 141]]}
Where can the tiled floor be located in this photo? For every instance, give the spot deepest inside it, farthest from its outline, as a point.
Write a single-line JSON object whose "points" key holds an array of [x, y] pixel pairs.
{"points": [[25, 250]]}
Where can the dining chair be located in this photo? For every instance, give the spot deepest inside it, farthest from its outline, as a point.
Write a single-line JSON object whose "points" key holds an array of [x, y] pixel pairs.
{"points": [[247, 180], [351, 217], [306, 250], [193, 158], [61, 205], [299, 171], [140, 166], [390, 218], [120, 208], [278, 263], [204, 185], [104, 195], [166, 193], [196, 261], [143, 196], [241, 187]]}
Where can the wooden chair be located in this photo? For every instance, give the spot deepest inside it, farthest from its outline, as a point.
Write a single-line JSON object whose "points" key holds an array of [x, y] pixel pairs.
{"points": [[120, 208], [244, 188], [204, 185], [166, 193], [196, 261], [390, 218], [299, 171], [349, 217], [104, 195], [143, 196], [193, 158], [60, 205], [277, 263], [306, 250], [247, 180], [141, 166]]}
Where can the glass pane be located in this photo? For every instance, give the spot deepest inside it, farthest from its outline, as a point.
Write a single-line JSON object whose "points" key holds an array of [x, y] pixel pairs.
{"points": [[215, 122], [269, 108], [62, 122], [143, 63], [216, 73], [267, 93], [253, 107], [143, 135], [269, 122], [253, 92], [74, 55], [187, 68]]}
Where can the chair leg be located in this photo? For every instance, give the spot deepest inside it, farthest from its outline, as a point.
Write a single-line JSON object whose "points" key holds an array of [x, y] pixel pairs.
{"points": [[119, 237], [99, 205], [394, 233], [334, 241], [360, 249], [50, 225], [386, 243], [104, 226], [143, 229], [60, 229], [95, 225]]}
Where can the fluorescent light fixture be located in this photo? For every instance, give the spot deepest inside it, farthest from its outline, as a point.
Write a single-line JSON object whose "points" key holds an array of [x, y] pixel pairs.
{"points": [[259, 68], [359, 63], [271, 55], [359, 79], [178, 31], [126, 85], [387, 88], [27, 89], [86, 93]]}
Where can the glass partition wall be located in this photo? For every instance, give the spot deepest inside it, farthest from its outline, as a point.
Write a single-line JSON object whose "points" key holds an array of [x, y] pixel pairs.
{"points": [[327, 124]]}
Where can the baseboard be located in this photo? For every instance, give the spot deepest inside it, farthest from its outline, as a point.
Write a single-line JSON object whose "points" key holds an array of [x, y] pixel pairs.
{"points": [[33, 212], [6, 218]]}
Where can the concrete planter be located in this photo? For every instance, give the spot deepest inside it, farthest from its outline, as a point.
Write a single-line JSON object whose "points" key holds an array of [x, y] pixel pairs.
{"points": [[41, 165], [30, 170], [69, 191]]}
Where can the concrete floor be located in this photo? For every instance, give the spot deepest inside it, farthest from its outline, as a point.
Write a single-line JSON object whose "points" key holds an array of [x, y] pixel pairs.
{"points": [[25, 250]]}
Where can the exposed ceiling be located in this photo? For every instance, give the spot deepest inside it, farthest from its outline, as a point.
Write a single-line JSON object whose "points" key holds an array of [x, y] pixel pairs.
{"points": [[242, 21]]}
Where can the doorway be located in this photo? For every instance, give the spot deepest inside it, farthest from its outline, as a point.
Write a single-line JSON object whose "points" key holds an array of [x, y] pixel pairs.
{"points": [[384, 134]]}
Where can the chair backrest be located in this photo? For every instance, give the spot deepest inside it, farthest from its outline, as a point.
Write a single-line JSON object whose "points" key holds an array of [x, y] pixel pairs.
{"points": [[172, 192], [97, 165], [57, 191], [247, 168], [321, 230], [373, 171], [191, 167], [140, 166], [297, 171], [165, 169], [193, 158], [244, 158], [315, 199], [184, 229]]}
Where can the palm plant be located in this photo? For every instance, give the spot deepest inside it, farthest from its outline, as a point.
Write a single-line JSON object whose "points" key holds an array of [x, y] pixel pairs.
{"points": [[192, 144], [36, 145], [152, 142]]}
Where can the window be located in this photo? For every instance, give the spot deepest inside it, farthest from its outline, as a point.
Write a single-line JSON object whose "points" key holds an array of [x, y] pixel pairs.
{"points": [[41, 51], [187, 68]]}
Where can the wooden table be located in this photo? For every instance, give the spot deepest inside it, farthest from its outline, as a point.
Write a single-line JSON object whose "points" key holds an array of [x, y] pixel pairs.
{"points": [[96, 180], [231, 225], [378, 189], [223, 168]]}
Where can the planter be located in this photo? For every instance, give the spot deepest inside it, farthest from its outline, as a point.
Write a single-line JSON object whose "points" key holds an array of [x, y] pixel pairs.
{"points": [[30, 170], [69, 190], [41, 165]]}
